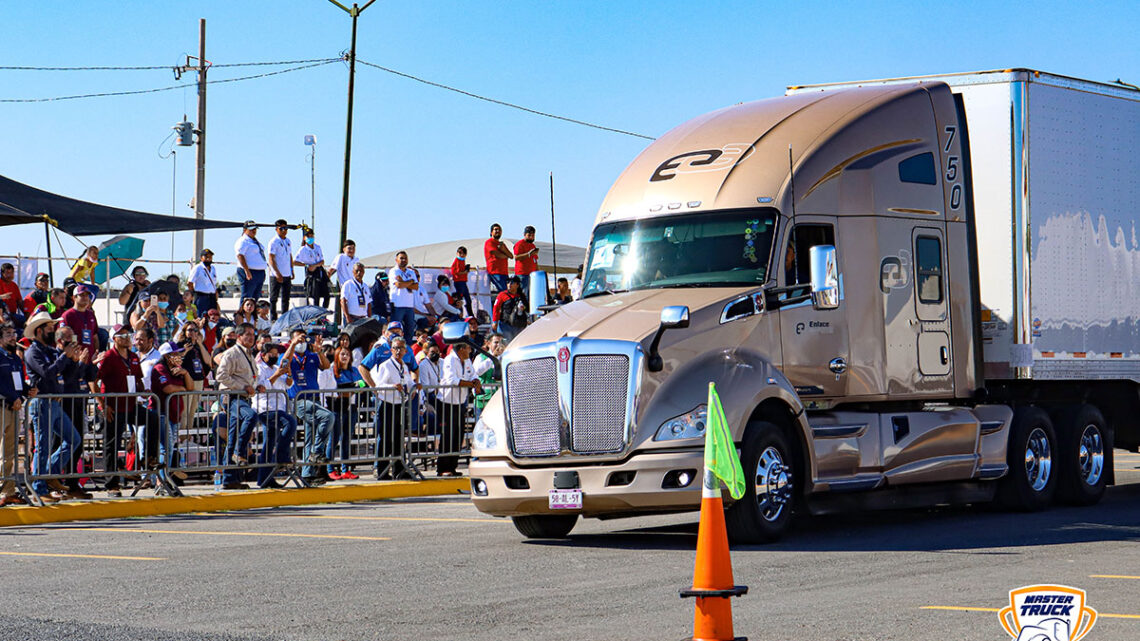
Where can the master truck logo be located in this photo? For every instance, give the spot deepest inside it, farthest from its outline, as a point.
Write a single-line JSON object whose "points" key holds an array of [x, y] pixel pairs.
{"points": [[1047, 613]]}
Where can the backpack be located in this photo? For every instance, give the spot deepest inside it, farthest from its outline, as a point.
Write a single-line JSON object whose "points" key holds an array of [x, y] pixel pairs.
{"points": [[513, 312]]}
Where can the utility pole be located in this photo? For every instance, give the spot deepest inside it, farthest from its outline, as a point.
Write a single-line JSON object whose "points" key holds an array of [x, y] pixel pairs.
{"points": [[355, 12], [553, 240], [200, 186]]}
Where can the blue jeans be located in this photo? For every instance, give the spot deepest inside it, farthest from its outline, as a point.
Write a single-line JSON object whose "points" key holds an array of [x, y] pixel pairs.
{"points": [[407, 317], [167, 442], [205, 302], [51, 425], [498, 283], [278, 443], [251, 288], [343, 432], [319, 423], [243, 419]]}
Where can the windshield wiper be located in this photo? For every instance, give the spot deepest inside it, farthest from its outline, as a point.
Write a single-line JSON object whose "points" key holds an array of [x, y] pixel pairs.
{"points": [[605, 291]]}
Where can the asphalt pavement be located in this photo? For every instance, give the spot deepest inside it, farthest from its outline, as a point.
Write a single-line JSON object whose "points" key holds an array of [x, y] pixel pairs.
{"points": [[435, 568]]}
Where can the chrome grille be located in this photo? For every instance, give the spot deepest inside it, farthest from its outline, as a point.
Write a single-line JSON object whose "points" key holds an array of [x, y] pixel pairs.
{"points": [[601, 392], [532, 399]]}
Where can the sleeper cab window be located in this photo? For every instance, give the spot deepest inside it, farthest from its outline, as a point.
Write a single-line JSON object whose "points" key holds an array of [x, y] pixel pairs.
{"points": [[928, 252], [918, 169]]}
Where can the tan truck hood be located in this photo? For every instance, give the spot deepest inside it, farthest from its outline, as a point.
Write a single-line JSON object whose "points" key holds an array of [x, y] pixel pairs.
{"points": [[626, 316]]}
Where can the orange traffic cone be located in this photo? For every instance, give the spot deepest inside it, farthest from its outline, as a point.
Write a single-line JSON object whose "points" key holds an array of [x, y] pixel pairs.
{"points": [[712, 575]]}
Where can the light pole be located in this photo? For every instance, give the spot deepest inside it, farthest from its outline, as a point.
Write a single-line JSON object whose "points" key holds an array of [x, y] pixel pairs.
{"points": [[355, 12], [311, 142]]}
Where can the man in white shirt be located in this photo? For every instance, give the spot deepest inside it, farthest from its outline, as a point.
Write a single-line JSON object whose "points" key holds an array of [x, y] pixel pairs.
{"points": [[576, 285], [342, 266], [281, 268], [312, 259], [272, 405], [203, 283], [458, 378], [355, 296], [251, 262], [148, 353], [404, 283], [395, 376]]}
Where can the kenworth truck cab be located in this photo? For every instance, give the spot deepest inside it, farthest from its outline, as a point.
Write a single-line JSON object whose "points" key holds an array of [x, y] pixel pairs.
{"points": [[823, 258]]}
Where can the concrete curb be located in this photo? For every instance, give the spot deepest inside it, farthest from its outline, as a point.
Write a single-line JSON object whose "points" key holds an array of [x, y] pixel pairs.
{"points": [[221, 502]]}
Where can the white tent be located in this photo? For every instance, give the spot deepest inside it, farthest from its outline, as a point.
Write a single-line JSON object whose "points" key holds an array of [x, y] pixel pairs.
{"points": [[441, 255]]}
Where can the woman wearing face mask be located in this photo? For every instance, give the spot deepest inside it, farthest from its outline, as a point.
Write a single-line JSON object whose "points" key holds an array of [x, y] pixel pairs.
{"points": [[441, 301], [129, 297], [316, 278]]}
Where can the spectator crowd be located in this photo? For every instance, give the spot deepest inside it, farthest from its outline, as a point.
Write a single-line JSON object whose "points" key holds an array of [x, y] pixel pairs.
{"points": [[143, 383]]}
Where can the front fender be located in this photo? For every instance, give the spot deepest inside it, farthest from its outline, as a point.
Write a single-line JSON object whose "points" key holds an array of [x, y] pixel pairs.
{"points": [[744, 379]]}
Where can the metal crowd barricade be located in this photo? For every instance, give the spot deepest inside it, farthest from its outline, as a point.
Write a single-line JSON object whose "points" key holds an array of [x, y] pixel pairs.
{"points": [[11, 431], [203, 432], [72, 439], [447, 416], [370, 427]]}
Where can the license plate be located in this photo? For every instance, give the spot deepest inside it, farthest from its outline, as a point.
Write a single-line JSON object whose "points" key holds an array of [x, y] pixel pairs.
{"points": [[565, 499]]}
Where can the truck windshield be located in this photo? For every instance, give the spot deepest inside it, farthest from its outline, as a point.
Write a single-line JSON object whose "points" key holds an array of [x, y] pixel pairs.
{"points": [[689, 250]]}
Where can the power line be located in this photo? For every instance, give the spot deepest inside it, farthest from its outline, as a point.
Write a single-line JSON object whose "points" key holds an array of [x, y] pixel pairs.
{"points": [[165, 67], [136, 92], [503, 103]]}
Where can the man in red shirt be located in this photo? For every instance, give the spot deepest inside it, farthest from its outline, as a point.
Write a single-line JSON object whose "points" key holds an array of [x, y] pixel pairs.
{"points": [[39, 295], [496, 254], [526, 258], [11, 298], [510, 310], [459, 271], [81, 319], [120, 372]]}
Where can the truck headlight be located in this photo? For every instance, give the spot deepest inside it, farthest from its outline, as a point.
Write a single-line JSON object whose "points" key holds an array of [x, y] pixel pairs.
{"points": [[691, 425], [483, 437]]}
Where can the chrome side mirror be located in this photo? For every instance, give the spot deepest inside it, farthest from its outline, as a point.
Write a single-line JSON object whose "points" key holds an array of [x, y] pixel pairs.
{"points": [[824, 277], [675, 317], [453, 332], [672, 317], [539, 290]]}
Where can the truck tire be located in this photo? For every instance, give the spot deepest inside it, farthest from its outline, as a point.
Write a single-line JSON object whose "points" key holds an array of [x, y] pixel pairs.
{"points": [[771, 474], [1032, 454], [1084, 445], [545, 526]]}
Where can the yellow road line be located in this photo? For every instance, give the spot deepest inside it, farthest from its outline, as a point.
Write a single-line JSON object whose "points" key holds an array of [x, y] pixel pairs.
{"points": [[365, 518], [965, 609], [281, 534], [86, 556], [1113, 576]]}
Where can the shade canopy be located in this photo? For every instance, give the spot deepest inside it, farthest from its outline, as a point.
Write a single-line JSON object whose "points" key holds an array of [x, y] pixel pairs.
{"points": [[20, 203], [441, 255]]}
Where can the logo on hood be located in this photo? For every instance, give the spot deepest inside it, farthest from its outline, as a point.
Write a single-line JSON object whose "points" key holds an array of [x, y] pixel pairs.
{"points": [[705, 160]]}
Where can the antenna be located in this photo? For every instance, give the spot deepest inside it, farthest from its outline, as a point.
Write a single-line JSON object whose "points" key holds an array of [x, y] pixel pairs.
{"points": [[792, 236]]}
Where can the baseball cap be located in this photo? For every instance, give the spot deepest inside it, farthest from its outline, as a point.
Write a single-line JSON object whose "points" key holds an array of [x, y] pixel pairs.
{"points": [[250, 224], [84, 289], [207, 252], [227, 331], [169, 348], [396, 325], [119, 328]]}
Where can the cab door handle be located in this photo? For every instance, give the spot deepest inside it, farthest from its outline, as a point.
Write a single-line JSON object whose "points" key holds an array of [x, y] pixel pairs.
{"points": [[944, 352]]}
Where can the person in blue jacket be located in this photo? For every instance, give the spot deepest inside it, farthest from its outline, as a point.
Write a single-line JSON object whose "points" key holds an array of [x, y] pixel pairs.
{"points": [[13, 391]]}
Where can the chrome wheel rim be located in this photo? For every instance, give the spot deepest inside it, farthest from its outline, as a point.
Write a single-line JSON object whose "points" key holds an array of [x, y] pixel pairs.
{"points": [[773, 484], [1091, 455], [1038, 459]]}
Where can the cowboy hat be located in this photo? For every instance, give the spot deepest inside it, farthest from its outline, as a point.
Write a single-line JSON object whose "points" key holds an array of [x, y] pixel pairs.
{"points": [[35, 321]]}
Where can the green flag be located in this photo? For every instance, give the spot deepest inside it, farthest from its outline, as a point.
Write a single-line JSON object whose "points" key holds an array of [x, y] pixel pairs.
{"points": [[720, 452]]}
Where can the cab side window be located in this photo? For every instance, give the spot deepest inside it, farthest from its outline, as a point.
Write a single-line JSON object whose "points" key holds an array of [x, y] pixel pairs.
{"points": [[797, 258], [928, 266]]}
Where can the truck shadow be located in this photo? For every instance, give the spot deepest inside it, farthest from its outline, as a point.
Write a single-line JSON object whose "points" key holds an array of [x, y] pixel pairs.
{"points": [[966, 529]]}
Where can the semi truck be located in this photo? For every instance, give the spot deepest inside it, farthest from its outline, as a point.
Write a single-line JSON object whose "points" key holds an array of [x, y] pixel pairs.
{"points": [[911, 291]]}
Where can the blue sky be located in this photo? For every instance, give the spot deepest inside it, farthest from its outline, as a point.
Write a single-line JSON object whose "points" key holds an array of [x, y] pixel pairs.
{"points": [[428, 164]]}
